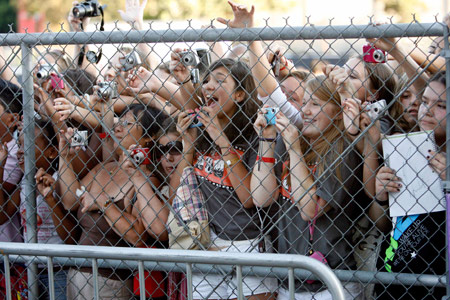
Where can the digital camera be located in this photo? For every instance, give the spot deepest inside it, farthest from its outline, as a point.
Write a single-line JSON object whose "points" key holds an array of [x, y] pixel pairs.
{"points": [[375, 109], [371, 54], [198, 58], [86, 9], [107, 90], [271, 115], [141, 156], [79, 139], [44, 71], [195, 123], [130, 61]]}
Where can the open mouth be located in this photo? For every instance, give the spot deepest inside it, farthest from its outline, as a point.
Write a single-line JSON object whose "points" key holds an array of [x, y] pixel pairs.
{"points": [[210, 100]]}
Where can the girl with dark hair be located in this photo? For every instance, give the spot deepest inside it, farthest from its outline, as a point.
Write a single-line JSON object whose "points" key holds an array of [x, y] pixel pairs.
{"points": [[115, 202], [222, 153], [417, 242], [53, 223]]}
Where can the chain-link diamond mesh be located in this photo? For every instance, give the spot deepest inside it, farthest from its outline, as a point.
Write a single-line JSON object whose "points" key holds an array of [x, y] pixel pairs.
{"points": [[319, 141]]}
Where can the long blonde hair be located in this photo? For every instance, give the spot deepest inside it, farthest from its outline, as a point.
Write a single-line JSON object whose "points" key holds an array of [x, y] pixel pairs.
{"points": [[330, 145]]}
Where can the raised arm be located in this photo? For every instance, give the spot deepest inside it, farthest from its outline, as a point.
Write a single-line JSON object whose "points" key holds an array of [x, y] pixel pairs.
{"points": [[264, 184]]}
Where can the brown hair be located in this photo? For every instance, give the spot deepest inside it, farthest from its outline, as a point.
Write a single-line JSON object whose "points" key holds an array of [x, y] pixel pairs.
{"points": [[240, 127]]}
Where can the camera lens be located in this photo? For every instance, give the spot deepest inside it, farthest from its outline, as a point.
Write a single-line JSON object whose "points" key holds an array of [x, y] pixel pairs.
{"points": [[378, 56], [76, 139], [79, 11]]}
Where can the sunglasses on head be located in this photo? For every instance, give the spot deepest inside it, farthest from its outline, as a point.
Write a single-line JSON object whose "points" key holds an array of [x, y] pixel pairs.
{"points": [[172, 148]]}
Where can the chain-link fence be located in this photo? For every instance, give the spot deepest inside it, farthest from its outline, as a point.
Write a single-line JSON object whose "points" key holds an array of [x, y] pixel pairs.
{"points": [[238, 141]]}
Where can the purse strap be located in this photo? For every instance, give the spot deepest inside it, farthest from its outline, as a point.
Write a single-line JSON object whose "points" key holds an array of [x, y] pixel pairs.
{"points": [[313, 224]]}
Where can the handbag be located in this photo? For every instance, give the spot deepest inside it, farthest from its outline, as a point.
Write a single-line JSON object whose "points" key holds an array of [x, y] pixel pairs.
{"points": [[188, 222], [311, 253]]}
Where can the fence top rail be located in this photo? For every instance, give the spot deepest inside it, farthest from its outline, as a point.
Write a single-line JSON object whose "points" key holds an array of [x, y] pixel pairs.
{"points": [[187, 256], [307, 32]]}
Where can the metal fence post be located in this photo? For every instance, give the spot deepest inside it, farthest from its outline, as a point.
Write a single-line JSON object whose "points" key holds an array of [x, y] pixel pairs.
{"points": [[29, 186]]}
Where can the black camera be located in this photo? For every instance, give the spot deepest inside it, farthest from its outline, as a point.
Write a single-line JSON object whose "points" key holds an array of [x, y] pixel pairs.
{"points": [[89, 8], [107, 90]]}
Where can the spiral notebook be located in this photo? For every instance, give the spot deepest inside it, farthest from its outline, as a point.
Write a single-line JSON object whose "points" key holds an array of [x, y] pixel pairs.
{"points": [[421, 190]]}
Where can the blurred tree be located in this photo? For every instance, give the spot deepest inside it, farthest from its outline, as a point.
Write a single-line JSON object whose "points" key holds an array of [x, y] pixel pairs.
{"points": [[56, 11], [404, 8], [7, 15]]}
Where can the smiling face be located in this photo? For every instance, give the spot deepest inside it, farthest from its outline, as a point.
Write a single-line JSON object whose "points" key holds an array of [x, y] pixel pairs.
{"points": [[433, 110], [219, 92], [318, 115]]}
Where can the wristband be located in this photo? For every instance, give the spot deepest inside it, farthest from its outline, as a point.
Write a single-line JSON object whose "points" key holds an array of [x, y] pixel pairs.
{"points": [[184, 82], [266, 159], [356, 134], [382, 202], [103, 135]]}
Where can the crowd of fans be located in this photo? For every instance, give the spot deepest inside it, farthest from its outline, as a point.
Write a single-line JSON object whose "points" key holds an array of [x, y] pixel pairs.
{"points": [[112, 141]]}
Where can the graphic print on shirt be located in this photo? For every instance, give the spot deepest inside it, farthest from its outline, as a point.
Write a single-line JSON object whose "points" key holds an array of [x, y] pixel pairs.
{"points": [[212, 168], [410, 235]]}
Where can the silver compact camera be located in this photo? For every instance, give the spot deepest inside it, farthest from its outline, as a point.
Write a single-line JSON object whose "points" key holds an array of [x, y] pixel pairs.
{"points": [[376, 109], [44, 72], [189, 58], [107, 90], [130, 61], [199, 60], [79, 139]]}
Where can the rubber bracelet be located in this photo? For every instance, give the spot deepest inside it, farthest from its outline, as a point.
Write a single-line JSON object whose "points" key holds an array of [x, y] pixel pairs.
{"points": [[103, 135], [186, 81], [356, 134], [283, 68], [265, 159], [382, 202], [261, 139]]}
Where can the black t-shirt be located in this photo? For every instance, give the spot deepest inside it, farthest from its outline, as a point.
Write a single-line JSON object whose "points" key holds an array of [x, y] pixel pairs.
{"points": [[332, 231], [227, 216], [417, 245]]}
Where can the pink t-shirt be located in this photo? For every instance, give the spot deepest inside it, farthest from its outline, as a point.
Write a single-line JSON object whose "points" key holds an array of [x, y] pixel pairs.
{"points": [[11, 230]]}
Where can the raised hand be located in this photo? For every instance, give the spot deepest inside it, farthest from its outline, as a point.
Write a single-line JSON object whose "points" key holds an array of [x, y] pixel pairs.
{"points": [[64, 107], [242, 16], [141, 81], [45, 183], [180, 72], [261, 127], [288, 131], [351, 109], [340, 78], [189, 135], [134, 13], [77, 24]]}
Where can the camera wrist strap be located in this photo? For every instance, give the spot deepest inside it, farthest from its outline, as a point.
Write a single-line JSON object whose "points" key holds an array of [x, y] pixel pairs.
{"points": [[90, 55]]}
